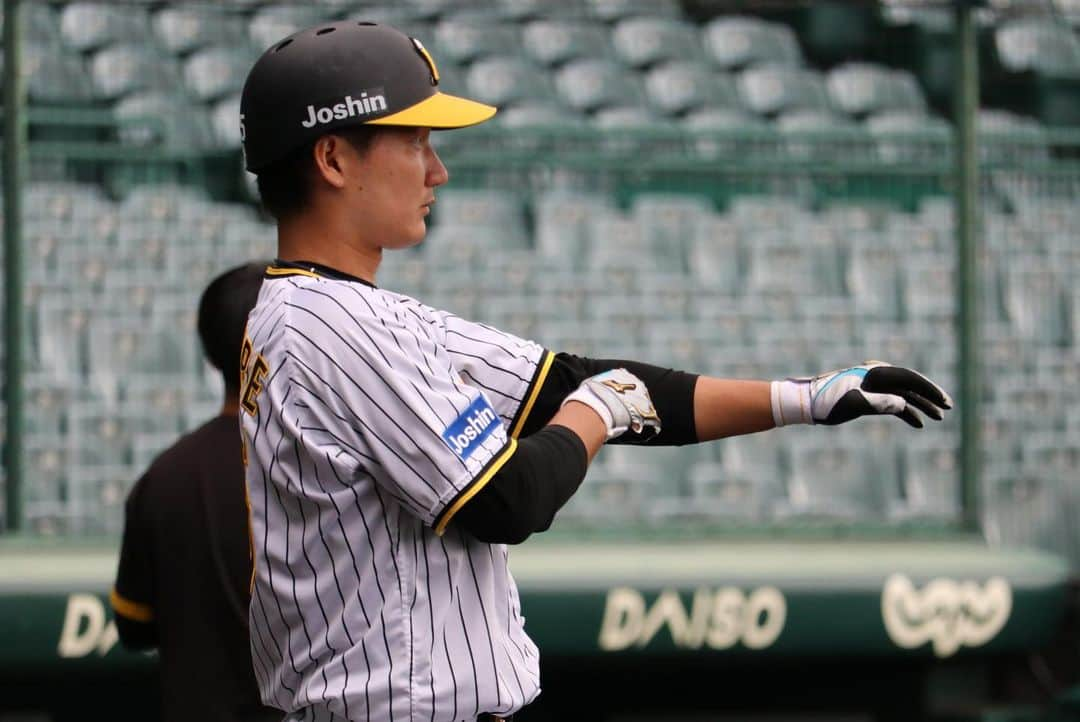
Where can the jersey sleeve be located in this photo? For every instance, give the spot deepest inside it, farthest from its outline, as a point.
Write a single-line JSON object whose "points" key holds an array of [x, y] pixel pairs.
{"points": [[132, 595], [372, 379], [509, 369]]}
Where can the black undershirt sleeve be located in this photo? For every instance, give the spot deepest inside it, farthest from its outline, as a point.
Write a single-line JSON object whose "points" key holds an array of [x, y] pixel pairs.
{"points": [[672, 393], [523, 496], [550, 461]]}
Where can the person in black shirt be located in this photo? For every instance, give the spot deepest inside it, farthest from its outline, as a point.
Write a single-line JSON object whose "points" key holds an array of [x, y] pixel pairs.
{"points": [[183, 581]]}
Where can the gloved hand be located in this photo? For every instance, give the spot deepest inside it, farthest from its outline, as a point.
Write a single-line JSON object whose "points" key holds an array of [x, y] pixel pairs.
{"points": [[872, 388], [621, 400]]}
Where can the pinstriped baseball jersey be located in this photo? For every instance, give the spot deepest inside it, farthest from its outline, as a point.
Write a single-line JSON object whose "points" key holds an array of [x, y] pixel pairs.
{"points": [[369, 420]]}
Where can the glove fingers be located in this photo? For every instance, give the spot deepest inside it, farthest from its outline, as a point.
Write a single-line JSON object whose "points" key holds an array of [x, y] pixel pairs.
{"points": [[885, 403], [895, 379], [922, 405], [910, 417]]}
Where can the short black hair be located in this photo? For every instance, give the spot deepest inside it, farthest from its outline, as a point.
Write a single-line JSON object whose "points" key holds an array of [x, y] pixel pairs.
{"points": [[285, 185], [223, 313]]}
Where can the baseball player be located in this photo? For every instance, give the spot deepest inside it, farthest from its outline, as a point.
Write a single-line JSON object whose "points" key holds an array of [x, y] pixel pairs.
{"points": [[182, 581], [394, 449]]}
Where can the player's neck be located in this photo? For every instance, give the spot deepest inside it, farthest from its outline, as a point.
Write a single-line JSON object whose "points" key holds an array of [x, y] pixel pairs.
{"points": [[301, 240], [231, 406]]}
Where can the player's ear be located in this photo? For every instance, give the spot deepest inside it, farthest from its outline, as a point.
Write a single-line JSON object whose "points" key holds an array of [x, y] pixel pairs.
{"points": [[331, 161]]}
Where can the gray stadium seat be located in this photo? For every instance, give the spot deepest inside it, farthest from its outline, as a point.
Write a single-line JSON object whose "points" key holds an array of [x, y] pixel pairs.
{"points": [[832, 482], [491, 208], [905, 136], [553, 42], [735, 42], [270, 24], [677, 86], [812, 134], [213, 72], [1034, 302], [55, 76], [778, 265], [864, 88], [540, 115], [928, 286], [561, 229], [1022, 510], [470, 34], [728, 132], [225, 121], [591, 83], [714, 255], [872, 278], [502, 80], [88, 25], [643, 41], [1039, 44], [183, 28], [153, 118], [1009, 137], [614, 10], [768, 211], [126, 68], [929, 483], [771, 89], [668, 220], [715, 492]]}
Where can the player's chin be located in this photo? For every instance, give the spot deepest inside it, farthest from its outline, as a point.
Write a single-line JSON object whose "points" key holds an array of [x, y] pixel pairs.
{"points": [[412, 236]]}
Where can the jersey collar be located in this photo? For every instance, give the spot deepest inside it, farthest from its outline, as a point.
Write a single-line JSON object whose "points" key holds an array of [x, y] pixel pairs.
{"points": [[280, 268]]}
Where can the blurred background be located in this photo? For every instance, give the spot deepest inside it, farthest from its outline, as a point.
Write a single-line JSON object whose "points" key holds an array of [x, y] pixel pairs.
{"points": [[744, 189]]}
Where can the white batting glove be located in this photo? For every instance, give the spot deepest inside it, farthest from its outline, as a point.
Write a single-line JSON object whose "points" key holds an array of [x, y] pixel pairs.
{"points": [[874, 388], [621, 400]]}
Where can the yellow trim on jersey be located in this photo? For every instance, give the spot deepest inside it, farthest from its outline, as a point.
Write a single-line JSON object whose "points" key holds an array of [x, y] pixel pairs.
{"points": [[479, 483], [275, 271], [130, 609], [534, 392]]}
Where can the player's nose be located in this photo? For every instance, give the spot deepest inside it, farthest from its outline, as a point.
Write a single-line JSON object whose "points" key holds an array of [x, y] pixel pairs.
{"points": [[437, 173]]}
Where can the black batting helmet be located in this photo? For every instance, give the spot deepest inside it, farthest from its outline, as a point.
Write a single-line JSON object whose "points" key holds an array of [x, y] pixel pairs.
{"points": [[340, 74]]}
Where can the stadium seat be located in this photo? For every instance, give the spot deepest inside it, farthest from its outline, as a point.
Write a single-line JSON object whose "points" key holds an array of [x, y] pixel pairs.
{"points": [[40, 25], [820, 135], [768, 211], [502, 80], [1007, 137], [614, 10], [678, 86], [540, 115], [929, 483], [492, 208], [1039, 44], [776, 264], [928, 286], [180, 29], [734, 42], [1034, 302], [714, 256], [771, 89], [89, 25], [55, 77], [729, 132], [644, 41], [213, 72], [591, 83], [668, 220], [861, 89], [910, 137], [126, 68], [161, 119], [562, 219], [553, 42], [760, 457], [715, 492], [272, 23], [1022, 510], [469, 34], [625, 118], [872, 278], [225, 122], [833, 482]]}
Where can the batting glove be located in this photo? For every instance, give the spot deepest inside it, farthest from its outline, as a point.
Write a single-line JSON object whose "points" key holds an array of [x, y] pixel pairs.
{"points": [[621, 400], [874, 388]]}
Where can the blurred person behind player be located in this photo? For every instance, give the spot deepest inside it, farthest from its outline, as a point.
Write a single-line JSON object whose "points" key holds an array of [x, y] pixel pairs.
{"points": [[185, 565], [396, 449]]}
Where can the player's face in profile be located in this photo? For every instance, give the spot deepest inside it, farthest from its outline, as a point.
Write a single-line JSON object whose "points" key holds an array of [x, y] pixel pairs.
{"points": [[398, 176]]}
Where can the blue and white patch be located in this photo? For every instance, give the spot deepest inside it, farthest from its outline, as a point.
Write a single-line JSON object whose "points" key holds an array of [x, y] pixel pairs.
{"points": [[471, 429]]}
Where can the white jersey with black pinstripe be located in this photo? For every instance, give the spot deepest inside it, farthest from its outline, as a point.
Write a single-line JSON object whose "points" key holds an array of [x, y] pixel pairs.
{"points": [[369, 420]]}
